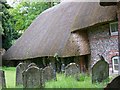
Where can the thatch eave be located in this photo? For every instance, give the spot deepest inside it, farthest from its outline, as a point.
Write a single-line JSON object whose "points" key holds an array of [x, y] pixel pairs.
{"points": [[93, 25]]}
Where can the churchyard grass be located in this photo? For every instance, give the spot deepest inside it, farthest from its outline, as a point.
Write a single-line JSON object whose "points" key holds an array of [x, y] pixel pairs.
{"points": [[62, 81], [10, 76], [70, 82]]}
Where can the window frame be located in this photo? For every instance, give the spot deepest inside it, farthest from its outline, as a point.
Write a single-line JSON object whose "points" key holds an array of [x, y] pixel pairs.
{"points": [[113, 33], [113, 63]]}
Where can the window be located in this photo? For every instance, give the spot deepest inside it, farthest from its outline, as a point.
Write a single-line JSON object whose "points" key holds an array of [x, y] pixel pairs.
{"points": [[114, 28], [115, 63]]}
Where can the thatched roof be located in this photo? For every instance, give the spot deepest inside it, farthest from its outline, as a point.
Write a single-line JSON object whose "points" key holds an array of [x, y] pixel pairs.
{"points": [[50, 32], [91, 14]]}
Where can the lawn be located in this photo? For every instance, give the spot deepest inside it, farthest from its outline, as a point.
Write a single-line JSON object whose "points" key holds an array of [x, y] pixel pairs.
{"points": [[10, 76], [62, 81], [70, 82]]}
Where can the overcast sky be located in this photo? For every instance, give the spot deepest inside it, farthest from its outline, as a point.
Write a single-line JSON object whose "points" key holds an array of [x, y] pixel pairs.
{"points": [[11, 2]]}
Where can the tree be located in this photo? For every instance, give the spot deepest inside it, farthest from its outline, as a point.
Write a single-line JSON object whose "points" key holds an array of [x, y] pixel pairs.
{"points": [[25, 12], [6, 29]]}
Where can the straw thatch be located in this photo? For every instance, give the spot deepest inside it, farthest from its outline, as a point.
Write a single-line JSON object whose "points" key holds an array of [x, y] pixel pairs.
{"points": [[91, 14], [77, 45], [50, 32]]}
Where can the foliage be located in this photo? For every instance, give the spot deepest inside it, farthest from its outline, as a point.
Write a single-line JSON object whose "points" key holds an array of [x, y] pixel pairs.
{"points": [[10, 76], [25, 12], [6, 30]]}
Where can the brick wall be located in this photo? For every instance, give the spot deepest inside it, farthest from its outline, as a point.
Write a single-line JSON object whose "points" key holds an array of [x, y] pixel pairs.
{"points": [[101, 42]]}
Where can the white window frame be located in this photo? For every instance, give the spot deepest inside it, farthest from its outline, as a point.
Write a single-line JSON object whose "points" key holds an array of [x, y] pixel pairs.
{"points": [[113, 33], [113, 64]]}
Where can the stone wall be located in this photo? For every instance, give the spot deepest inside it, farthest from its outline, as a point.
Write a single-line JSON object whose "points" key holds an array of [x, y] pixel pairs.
{"points": [[102, 43]]}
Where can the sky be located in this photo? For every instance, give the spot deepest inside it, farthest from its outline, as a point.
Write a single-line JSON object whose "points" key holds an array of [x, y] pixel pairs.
{"points": [[12, 3], [15, 2]]}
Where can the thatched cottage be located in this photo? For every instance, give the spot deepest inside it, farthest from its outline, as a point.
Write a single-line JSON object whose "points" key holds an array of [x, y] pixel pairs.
{"points": [[117, 4], [70, 32]]}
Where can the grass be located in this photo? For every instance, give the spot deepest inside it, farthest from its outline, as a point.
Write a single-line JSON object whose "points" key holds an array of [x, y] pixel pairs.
{"points": [[70, 82], [10, 76], [62, 81]]}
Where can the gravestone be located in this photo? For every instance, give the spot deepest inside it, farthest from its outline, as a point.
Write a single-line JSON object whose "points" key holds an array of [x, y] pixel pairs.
{"points": [[32, 64], [63, 68], [100, 71], [115, 83], [73, 69], [48, 74], [19, 69], [2, 79], [32, 77]]}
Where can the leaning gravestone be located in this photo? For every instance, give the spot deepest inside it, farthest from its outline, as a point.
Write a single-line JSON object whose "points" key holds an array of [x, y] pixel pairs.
{"points": [[32, 77], [32, 64], [19, 69], [72, 69], [100, 71], [115, 83], [2, 79], [48, 74]]}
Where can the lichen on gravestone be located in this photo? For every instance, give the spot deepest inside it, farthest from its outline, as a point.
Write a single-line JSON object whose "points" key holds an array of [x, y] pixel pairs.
{"points": [[49, 74], [32, 77], [19, 69], [100, 71], [73, 70]]}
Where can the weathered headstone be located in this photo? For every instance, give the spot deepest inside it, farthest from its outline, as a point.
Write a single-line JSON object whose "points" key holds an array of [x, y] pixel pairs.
{"points": [[115, 83], [2, 79], [72, 69], [32, 77], [32, 64], [54, 70], [48, 74], [63, 68], [19, 69], [100, 71]]}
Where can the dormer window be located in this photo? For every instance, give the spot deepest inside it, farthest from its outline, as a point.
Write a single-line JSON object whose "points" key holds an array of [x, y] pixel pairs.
{"points": [[114, 28]]}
